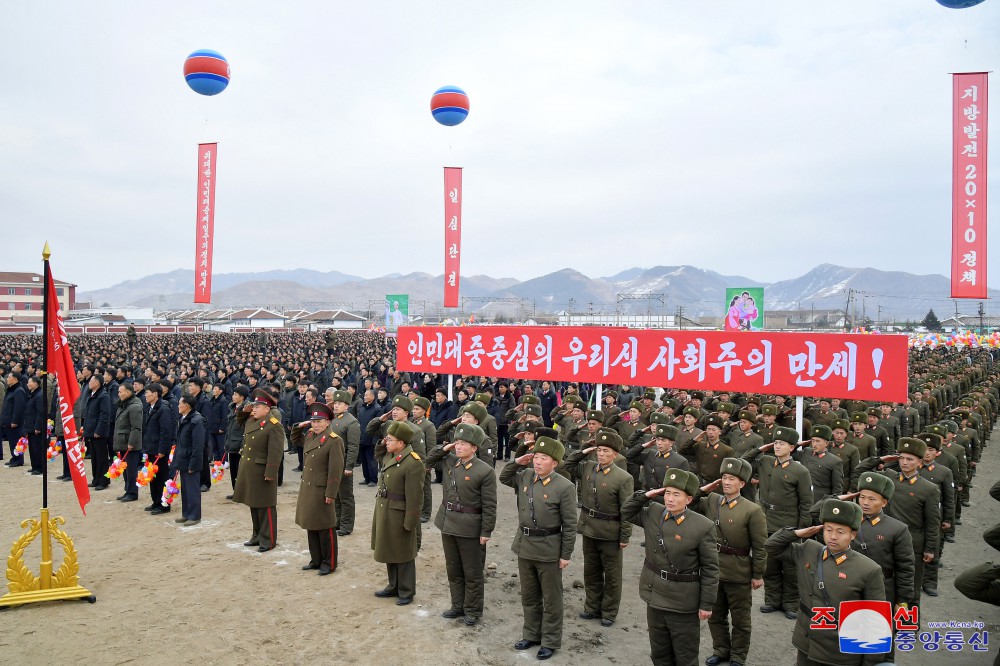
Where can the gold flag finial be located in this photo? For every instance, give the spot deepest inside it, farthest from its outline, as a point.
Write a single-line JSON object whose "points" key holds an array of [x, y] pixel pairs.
{"points": [[46, 252]]}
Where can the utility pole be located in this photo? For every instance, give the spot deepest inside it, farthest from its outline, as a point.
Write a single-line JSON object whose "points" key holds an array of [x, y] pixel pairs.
{"points": [[680, 317], [847, 310], [812, 316], [982, 313], [878, 321]]}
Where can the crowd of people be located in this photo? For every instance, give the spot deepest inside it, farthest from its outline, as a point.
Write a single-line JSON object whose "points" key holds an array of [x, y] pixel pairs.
{"points": [[727, 494]]}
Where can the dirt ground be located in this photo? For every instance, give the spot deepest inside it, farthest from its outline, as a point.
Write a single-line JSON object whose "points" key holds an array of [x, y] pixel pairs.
{"points": [[169, 594]]}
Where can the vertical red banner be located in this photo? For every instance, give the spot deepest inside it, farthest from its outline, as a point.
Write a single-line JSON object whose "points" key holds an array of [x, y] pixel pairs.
{"points": [[968, 187], [452, 234], [205, 230]]}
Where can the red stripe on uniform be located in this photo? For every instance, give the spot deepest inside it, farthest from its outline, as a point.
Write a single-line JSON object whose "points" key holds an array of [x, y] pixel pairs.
{"points": [[333, 551], [270, 522]]}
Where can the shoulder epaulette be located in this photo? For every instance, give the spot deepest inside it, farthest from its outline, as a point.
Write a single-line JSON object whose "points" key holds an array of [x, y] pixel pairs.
{"points": [[414, 454], [274, 420]]}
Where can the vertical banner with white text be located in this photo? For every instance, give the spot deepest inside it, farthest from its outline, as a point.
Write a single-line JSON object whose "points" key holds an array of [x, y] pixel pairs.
{"points": [[205, 231], [968, 186], [452, 234]]}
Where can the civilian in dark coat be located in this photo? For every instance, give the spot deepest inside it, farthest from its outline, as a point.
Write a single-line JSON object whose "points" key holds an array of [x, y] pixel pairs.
{"points": [[549, 402], [188, 459], [128, 438], [218, 419], [12, 417], [196, 389], [368, 410], [35, 425], [158, 432], [234, 433], [97, 431]]}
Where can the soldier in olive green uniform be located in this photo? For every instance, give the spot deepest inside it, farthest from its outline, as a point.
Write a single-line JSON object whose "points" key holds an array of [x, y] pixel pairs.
{"points": [[688, 431], [489, 426], [396, 521], [743, 438], [849, 455], [656, 456], [827, 575], [980, 583], [426, 426], [473, 413], [709, 450], [466, 519], [825, 468], [604, 488], [860, 438], [915, 502], [881, 436], [765, 426], [959, 469], [260, 455], [785, 493], [544, 541], [680, 575], [322, 466], [940, 476], [349, 430], [741, 530]]}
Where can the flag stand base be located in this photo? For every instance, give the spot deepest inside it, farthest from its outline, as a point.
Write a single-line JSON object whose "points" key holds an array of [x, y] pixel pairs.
{"points": [[25, 587]]}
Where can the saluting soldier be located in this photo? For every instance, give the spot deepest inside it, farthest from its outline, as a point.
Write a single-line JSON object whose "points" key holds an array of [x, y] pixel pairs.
{"points": [[765, 426], [396, 521], [688, 431], [881, 436], [861, 438], [785, 493], [346, 426], [953, 457], [827, 575], [657, 456], [741, 530], [544, 541], [260, 456], [744, 438], [419, 419], [825, 468], [680, 574], [473, 413], [885, 539], [709, 450], [604, 488], [849, 455], [489, 426], [466, 519], [915, 502], [322, 467], [940, 476]]}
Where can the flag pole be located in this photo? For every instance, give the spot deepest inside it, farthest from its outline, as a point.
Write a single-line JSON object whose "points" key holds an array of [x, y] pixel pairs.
{"points": [[25, 587]]}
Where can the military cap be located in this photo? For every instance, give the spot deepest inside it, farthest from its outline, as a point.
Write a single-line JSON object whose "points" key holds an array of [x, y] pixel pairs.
{"points": [[753, 400], [530, 400], [682, 480], [343, 396], [551, 447], [403, 403], [874, 411], [715, 420], [822, 431], [962, 413], [261, 397], [826, 400], [635, 404], [611, 394], [659, 417], [672, 403], [877, 483], [533, 410], [542, 431], [840, 512], [931, 439], [938, 429], [914, 447], [842, 424], [649, 395], [965, 402], [401, 430], [769, 409], [693, 411], [319, 410], [531, 426], [951, 426], [747, 415], [727, 407], [576, 404], [476, 409], [572, 397], [786, 435], [665, 431], [483, 398], [419, 401], [697, 395], [859, 417], [609, 438], [469, 432], [737, 467], [595, 415]]}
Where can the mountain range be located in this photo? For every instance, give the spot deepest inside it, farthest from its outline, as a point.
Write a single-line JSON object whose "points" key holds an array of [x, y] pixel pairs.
{"points": [[879, 295]]}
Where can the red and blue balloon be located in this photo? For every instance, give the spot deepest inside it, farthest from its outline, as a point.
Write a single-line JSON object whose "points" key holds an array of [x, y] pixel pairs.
{"points": [[206, 72], [450, 105]]}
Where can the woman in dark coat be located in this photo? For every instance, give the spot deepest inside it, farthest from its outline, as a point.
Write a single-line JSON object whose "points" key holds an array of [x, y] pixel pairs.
{"points": [[191, 441]]}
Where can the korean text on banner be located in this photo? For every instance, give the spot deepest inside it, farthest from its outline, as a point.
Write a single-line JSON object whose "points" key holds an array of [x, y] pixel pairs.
{"points": [[968, 193], [865, 367], [61, 367], [452, 234], [205, 231]]}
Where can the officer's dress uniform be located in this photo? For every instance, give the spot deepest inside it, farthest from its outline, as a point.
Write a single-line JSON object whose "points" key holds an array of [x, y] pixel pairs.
{"points": [[346, 427], [322, 467], [260, 456]]}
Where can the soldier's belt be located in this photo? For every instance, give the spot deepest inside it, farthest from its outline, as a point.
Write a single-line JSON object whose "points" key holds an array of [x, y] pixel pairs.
{"points": [[730, 550], [771, 507], [670, 575], [539, 531], [461, 508], [399, 497], [600, 515]]}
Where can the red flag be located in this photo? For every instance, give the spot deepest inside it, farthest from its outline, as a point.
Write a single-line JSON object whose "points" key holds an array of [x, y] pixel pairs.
{"points": [[452, 234], [205, 230], [968, 186], [60, 366]]}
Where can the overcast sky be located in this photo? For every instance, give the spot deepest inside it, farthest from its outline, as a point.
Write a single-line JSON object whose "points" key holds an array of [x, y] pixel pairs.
{"points": [[748, 137]]}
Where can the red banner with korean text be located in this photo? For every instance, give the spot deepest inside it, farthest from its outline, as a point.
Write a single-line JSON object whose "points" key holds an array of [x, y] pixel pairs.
{"points": [[60, 366], [452, 234], [865, 367], [968, 187], [205, 231]]}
